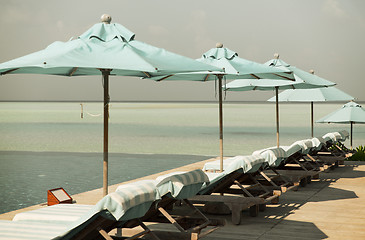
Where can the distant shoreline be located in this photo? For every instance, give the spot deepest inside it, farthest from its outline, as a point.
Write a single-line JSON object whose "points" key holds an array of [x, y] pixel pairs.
{"points": [[146, 101]]}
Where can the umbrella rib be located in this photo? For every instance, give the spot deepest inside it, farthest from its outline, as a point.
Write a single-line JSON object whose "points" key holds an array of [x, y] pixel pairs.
{"points": [[165, 78], [206, 78], [287, 78], [72, 71], [9, 71], [255, 76], [147, 74]]}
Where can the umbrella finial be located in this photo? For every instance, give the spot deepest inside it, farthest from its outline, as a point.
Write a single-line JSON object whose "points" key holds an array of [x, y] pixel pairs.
{"points": [[219, 45], [276, 55], [311, 71], [106, 18]]}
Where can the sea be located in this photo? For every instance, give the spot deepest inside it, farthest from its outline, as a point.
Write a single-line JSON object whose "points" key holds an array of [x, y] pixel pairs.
{"points": [[46, 145]]}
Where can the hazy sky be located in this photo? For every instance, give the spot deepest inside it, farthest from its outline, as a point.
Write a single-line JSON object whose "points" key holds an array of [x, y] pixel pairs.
{"points": [[324, 35]]}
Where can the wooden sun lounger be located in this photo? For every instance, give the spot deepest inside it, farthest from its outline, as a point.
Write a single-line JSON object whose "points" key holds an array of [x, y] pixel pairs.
{"points": [[175, 188], [235, 192]]}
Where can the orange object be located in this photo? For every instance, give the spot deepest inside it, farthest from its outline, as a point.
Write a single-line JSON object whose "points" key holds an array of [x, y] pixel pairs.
{"points": [[57, 196]]}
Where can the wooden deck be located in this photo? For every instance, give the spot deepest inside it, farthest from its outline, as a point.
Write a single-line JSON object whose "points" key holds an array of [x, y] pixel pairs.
{"points": [[331, 207]]}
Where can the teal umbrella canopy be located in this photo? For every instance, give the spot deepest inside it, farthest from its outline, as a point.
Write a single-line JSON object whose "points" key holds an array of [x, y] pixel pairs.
{"points": [[307, 79], [259, 84], [313, 95], [105, 49], [103, 46], [234, 67], [350, 113]]}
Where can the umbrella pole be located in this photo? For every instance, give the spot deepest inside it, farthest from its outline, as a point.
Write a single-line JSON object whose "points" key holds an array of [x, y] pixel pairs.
{"points": [[106, 127], [351, 136], [220, 120], [312, 118], [277, 115]]}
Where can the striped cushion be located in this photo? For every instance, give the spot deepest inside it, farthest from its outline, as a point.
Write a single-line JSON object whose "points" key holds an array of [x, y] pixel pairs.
{"points": [[305, 145], [128, 196], [181, 184], [250, 163], [273, 156], [318, 142], [30, 230], [55, 213], [292, 149], [216, 164], [184, 178], [333, 136]]}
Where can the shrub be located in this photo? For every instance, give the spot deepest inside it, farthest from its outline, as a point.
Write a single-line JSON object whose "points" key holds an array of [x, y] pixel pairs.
{"points": [[359, 155]]}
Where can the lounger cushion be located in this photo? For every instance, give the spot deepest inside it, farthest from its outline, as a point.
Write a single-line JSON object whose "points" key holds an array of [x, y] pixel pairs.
{"points": [[247, 164], [318, 142], [216, 164], [128, 196], [181, 185], [273, 156], [30, 230], [59, 213], [306, 145], [292, 149], [332, 137]]}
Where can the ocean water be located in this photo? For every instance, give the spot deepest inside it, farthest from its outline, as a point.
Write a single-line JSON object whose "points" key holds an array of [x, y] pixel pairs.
{"points": [[48, 145]]}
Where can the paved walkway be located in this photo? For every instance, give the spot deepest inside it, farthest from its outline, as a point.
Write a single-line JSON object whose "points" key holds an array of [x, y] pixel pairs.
{"points": [[332, 207]]}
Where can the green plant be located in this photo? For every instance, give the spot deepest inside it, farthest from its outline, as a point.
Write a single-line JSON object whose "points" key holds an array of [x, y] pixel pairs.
{"points": [[360, 149], [359, 155]]}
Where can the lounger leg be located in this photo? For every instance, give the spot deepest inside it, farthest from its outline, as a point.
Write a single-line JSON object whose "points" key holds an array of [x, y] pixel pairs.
{"points": [[254, 210], [303, 182], [262, 207], [119, 232], [236, 213]]}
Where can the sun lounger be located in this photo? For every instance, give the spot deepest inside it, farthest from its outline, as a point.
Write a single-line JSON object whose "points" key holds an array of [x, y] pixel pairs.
{"points": [[297, 153], [331, 151], [282, 180], [335, 140], [231, 187], [179, 186], [93, 222], [304, 170]]}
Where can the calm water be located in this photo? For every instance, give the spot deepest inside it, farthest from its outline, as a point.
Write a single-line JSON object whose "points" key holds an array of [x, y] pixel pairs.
{"points": [[48, 145]]}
